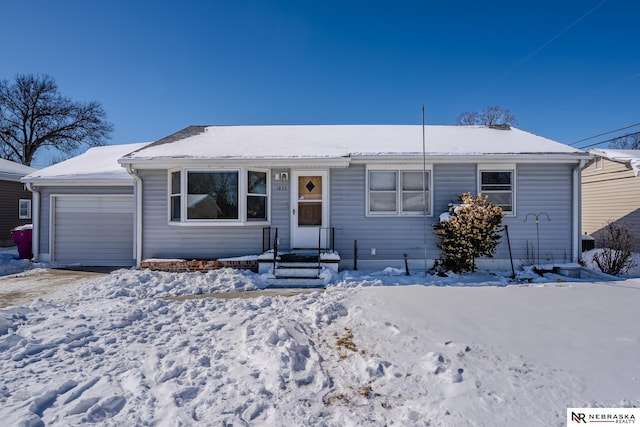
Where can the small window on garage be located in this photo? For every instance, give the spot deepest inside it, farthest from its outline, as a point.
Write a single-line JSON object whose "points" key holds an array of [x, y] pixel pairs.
{"points": [[24, 209]]}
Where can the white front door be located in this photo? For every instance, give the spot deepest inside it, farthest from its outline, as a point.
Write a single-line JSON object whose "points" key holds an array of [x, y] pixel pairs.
{"points": [[309, 209]]}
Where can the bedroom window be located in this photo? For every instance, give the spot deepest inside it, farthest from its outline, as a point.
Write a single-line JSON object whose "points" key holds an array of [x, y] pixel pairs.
{"points": [[24, 209], [218, 196], [398, 192], [498, 186]]}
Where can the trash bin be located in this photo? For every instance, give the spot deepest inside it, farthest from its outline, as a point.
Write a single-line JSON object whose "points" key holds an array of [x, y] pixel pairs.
{"points": [[22, 238]]}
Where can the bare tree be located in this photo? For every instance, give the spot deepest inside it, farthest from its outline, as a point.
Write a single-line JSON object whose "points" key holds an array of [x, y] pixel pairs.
{"points": [[469, 118], [490, 116], [33, 114], [627, 142]]}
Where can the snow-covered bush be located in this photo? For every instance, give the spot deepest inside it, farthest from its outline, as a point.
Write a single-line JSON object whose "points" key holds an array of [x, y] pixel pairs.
{"points": [[617, 244], [470, 229]]}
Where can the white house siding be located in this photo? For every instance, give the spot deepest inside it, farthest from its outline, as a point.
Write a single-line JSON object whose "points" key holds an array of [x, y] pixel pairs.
{"points": [[162, 240], [45, 211], [610, 194]]}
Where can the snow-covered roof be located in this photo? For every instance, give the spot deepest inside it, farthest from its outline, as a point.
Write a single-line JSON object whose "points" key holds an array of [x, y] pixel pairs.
{"points": [[12, 171], [345, 141], [96, 164], [629, 157]]}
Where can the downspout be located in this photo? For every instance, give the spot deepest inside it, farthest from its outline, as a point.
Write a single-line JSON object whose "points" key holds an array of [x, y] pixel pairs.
{"points": [[137, 190], [577, 211], [35, 220]]}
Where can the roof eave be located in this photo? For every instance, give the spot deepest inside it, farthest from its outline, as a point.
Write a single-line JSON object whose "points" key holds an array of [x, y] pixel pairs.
{"points": [[172, 162], [480, 157], [78, 182]]}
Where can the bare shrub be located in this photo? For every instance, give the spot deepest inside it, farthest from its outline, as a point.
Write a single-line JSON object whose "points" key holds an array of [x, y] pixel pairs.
{"points": [[617, 243]]}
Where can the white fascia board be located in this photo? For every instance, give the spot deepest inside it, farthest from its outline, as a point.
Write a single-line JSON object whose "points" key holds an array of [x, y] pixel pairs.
{"points": [[70, 182], [178, 162], [479, 158]]}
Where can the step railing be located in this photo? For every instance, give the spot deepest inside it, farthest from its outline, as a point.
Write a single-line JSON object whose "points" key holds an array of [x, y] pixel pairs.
{"points": [[327, 232]]}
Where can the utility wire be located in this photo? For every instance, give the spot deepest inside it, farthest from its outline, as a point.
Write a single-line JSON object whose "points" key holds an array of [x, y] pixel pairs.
{"points": [[541, 47], [605, 133], [609, 140]]}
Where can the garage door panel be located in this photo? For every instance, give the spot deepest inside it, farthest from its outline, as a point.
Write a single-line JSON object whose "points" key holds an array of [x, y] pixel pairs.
{"points": [[94, 230]]}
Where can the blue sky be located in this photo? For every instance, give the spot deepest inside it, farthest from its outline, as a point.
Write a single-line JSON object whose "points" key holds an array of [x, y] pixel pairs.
{"points": [[567, 69]]}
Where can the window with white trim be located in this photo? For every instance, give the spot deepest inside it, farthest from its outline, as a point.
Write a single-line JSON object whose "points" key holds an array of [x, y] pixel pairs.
{"points": [[218, 195], [398, 192], [598, 162], [256, 196], [175, 197], [498, 184], [24, 209]]}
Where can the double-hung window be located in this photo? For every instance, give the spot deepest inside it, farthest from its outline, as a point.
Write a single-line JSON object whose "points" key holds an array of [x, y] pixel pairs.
{"points": [[256, 196], [24, 209], [218, 196], [398, 192], [497, 182]]}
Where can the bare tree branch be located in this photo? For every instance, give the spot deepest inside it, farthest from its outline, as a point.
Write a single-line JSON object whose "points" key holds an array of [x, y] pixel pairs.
{"points": [[33, 114], [627, 142], [490, 116]]}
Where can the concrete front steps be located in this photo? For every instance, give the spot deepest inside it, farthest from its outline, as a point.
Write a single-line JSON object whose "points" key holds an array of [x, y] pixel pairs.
{"points": [[297, 269]]}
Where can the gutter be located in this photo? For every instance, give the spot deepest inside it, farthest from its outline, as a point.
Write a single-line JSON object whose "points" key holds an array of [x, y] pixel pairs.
{"points": [[137, 190], [577, 211], [35, 220]]}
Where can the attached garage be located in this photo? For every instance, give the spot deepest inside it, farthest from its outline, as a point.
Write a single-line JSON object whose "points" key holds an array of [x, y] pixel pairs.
{"points": [[92, 230], [84, 209]]}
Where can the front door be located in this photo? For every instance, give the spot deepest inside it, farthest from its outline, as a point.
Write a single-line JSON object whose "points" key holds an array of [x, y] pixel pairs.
{"points": [[309, 209]]}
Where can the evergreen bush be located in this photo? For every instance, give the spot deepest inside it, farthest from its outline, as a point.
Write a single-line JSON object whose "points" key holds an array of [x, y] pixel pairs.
{"points": [[471, 229]]}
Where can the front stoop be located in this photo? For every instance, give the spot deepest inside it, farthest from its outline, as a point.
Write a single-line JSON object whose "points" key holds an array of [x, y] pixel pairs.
{"points": [[296, 269]]}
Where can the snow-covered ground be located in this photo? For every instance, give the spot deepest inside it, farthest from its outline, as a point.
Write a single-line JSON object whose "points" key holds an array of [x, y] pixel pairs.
{"points": [[374, 348]]}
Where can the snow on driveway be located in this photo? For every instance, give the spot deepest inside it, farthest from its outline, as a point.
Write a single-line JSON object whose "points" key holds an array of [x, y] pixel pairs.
{"points": [[26, 287], [116, 352]]}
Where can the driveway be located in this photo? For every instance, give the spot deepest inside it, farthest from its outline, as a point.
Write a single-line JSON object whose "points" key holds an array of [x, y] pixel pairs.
{"points": [[26, 287]]}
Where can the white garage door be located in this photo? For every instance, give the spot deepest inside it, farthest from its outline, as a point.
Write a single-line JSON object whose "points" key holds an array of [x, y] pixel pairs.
{"points": [[93, 230]]}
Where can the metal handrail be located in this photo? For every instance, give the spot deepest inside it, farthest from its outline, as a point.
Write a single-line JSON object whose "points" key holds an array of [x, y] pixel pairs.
{"points": [[275, 250]]}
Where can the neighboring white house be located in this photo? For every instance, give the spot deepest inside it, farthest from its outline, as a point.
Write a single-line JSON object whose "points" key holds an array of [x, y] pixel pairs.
{"points": [[208, 192], [611, 192]]}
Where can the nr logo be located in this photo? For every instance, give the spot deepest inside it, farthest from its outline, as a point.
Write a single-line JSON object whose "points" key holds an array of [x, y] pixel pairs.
{"points": [[578, 417]]}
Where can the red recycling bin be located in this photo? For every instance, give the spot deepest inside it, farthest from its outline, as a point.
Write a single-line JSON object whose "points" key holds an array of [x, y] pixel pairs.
{"points": [[22, 237]]}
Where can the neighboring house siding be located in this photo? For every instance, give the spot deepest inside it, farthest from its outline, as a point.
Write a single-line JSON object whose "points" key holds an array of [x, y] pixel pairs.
{"points": [[610, 194], [10, 194], [162, 240], [45, 201]]}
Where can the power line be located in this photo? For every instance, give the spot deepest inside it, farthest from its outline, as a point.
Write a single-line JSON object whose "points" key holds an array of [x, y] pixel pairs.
{"points": [[541, 47], [609, 140], [605, 133]]}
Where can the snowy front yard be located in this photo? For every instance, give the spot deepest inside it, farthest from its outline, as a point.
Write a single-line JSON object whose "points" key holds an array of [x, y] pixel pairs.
{"points": [[372, 349]]}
